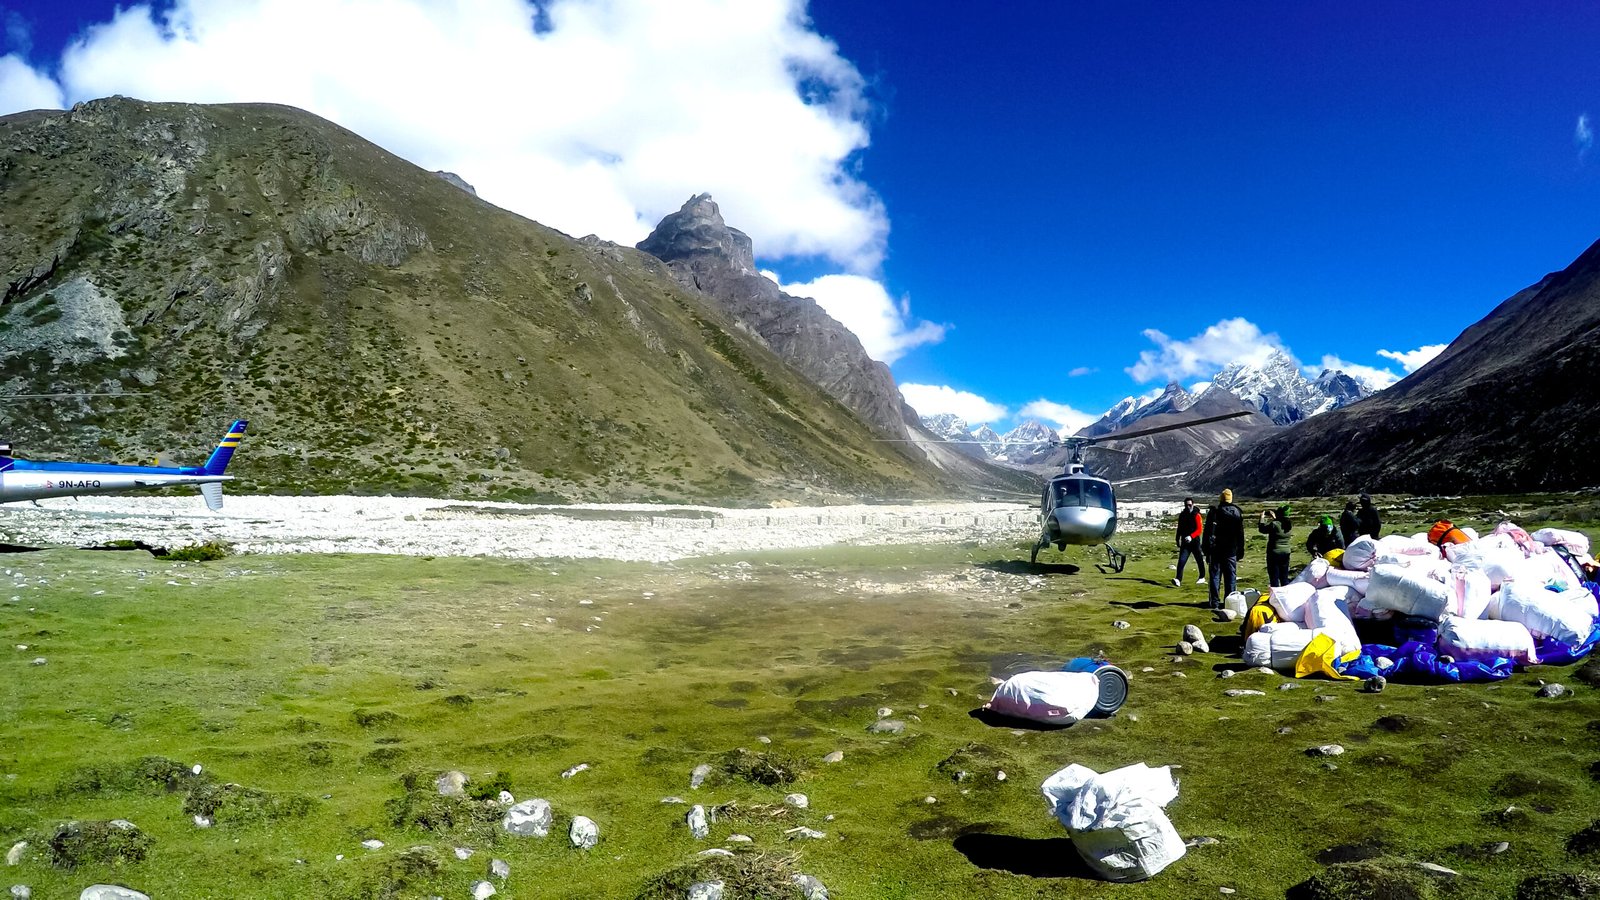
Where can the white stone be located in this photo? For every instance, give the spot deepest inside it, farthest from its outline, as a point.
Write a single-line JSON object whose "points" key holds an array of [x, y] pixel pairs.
{"points": [[483, 890], [373, 844], [715, 851], [810, 887], [451, 784], [798, 801], [705, 890], [505, 799], [696, 819], [203, 821], [21, 892], [530, 818], [1235, 692], [464, 852], [698, 776], [584, 833], [740, 839], [804, 832], [500, 869], [580, 767], [14, 855], [835, 756], [110, 892]]}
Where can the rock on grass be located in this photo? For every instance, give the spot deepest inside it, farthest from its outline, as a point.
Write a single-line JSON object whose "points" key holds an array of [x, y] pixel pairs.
{"points": [[97, 842], [1375, 879], [742, 875]]}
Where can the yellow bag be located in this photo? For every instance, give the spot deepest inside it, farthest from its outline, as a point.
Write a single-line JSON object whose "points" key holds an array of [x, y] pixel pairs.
{"points": [[1259, 615], [1333, 557], [1319, 658]]}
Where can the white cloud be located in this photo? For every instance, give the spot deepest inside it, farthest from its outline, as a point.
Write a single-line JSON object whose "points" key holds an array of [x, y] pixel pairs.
{"points": [[1198, 388], [1412, 360], [1081, 370], [933, 399], [1376, 378], [1066, 419], [1231, 340], [602, 120], [1583, 135], [24, 87], [885, 326]]}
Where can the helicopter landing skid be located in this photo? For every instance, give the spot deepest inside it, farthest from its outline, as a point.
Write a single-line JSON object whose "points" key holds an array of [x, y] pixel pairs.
{"points": [[1040, 545], [1115, 559]]}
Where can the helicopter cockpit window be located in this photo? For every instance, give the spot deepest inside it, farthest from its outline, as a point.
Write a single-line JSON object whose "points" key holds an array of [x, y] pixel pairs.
{"points": [[1098, 495], [1067, 493]]}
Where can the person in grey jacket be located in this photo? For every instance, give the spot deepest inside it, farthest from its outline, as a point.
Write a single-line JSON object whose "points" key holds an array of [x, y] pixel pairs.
{"points": [[1223, 542]]}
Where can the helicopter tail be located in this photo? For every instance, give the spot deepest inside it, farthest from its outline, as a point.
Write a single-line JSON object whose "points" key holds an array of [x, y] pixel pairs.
{"points": [[220, 456]]}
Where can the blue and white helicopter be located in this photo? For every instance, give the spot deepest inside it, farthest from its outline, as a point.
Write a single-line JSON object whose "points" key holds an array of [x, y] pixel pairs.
{"points": [[22, 479]]}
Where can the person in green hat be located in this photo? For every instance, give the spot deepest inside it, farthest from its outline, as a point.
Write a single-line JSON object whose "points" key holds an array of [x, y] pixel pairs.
{"points": [[1276, 526], [1324, 539]]}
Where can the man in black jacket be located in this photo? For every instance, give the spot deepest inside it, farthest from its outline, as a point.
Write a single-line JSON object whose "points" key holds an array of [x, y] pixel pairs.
{"points": [[1324, 539], [1189, 532], [1349, 525], [1367, 519], [1224, 545]]}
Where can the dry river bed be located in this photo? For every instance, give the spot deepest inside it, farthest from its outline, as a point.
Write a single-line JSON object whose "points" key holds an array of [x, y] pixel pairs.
{"points": [[427, 527]]}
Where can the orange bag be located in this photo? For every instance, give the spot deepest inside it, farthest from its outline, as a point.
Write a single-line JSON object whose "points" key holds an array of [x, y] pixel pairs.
{"points": [[1444, 532]]}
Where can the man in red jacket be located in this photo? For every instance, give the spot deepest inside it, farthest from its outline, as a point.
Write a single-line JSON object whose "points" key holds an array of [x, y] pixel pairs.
{"points": [[1190, 524]]}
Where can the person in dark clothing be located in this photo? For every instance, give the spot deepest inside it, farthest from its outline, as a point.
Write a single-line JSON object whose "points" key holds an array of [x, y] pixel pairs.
{"points": [[1276, 526], [1324, 539], [1223, 542], [1349, 525], [1190, 525], [1367, 521]]}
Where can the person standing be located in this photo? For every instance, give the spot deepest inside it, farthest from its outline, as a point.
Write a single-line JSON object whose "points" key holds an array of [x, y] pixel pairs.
{"points": [[1349, 524], [1223, 542], [1276, 526], [1324, 539], [1190, 527], [1367, 520]]}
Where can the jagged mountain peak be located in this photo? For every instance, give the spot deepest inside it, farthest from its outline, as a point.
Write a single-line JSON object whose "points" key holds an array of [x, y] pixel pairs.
{"points": [[1275, 385], [697, 229]]}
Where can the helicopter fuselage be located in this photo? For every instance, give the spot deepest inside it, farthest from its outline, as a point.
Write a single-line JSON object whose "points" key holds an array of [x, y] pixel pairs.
{"points": [[1077, 509]]}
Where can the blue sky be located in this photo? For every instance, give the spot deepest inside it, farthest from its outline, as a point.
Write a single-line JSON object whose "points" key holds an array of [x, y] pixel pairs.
{"points": [[1009, 200]]}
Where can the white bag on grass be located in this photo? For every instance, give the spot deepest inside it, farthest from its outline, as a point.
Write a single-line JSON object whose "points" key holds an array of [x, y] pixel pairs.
{"points": [[1344, 577], [1468, 591], [1277, 644], [1406, 592], [1483, 638], [1290, 600], [1315, 573], [1116, 820], [1055, 697], [1329, 613], [1361, 553], [1574, 541], [1563, 617]]}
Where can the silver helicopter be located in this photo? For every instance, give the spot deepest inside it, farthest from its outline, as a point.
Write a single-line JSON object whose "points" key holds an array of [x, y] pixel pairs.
{"points": [[1081, 509]]}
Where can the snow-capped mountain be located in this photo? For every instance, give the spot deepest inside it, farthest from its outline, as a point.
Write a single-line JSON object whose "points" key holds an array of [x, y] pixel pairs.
{"points": [[1277, 388], [989, 439], [948, 426], [1132, 409], [1026, 444]]}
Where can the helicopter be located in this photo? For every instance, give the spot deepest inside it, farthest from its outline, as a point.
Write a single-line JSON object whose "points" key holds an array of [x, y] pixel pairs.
{"points": [[1078, 508], [22, 479]]}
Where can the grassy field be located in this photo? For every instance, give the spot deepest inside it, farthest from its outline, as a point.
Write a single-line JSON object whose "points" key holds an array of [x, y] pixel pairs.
{"points": [[324, 686]]}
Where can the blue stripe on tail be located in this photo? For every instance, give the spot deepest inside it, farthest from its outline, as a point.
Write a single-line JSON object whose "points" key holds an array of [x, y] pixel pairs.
{"points": [[224, 452]]}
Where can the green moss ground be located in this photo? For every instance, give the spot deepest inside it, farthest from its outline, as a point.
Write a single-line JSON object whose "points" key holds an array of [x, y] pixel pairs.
{"points": [[328, 679]]}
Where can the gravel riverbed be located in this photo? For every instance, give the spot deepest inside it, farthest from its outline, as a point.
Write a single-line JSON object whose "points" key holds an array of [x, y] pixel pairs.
{"points": [[427, 527]]}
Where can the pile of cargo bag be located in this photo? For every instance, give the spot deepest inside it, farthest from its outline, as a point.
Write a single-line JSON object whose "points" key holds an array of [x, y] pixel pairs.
{"points": [[1468, 608]]}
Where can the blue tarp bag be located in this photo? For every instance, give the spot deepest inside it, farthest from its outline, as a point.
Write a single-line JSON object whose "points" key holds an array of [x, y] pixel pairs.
{"points": [[1555, 653], [1415, 661]]}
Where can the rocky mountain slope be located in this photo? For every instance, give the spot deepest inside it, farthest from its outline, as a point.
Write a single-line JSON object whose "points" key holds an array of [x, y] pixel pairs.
{"points": [[1507, 407], [705, 254], [381, 327], [1178, 451]]}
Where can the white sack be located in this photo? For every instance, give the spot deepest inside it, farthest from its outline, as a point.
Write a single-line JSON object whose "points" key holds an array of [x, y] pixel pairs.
{"points": [[1562, 617], [1468, 591], [1360, 554], [1544, 569], [1483, 638], [1346, 578], [1315, 573], [1055, 697], [1329, 613], [1400, 545], [1290, 600], [1495, 556], [1575, 542], [1360, 610], [1471, 533], [1116, 820], [1406, 592], [1277, 645]]}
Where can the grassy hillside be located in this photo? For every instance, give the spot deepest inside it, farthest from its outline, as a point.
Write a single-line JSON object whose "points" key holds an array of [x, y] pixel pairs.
{"points": [[382, 329]]}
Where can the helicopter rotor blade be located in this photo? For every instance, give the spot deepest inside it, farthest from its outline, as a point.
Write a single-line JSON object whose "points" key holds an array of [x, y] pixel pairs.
{"points": [[1126, 435]]}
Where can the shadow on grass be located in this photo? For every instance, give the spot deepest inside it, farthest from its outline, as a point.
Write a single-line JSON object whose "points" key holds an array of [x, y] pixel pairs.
{"points": [[18, 548], [1156, 604], [996, 720], [1023, 567], [1034, 857], [1150, 581]]}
